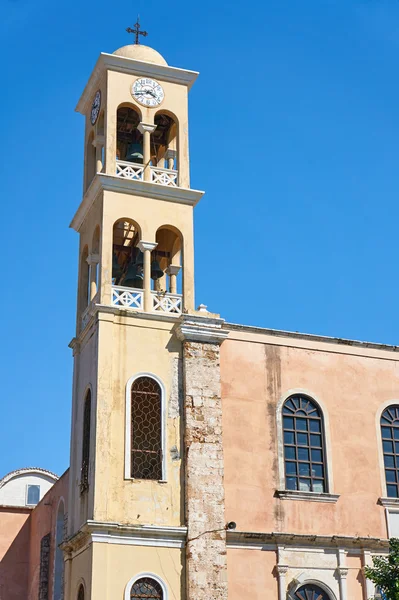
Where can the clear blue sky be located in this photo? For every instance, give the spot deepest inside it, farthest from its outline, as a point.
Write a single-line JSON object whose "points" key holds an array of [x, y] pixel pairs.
{"points": [[294, 136]]}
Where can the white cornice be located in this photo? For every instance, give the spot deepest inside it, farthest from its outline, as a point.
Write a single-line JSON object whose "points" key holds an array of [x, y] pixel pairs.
{"points": [[248, 539], [136, 535], [196, 328], [112, 62], [144, 189]]}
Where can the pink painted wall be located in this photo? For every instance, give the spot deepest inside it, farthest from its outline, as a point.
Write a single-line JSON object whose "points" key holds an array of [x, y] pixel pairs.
{"points": [[14, 552], [251, 574], [353, 388], [43, 521]]}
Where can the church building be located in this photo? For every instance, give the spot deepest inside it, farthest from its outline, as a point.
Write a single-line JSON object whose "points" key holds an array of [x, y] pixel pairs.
{"points": [[209, 460]]}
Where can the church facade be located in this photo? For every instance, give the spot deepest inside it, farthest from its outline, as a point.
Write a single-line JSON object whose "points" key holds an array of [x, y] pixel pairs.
{"points": [[209, 460]]}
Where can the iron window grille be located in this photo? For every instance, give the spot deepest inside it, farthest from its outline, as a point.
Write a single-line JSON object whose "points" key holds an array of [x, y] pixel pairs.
{"points": [[311, 592], [84, 473], [390, 446], [146, 429], [146, 588], [304, 455]]}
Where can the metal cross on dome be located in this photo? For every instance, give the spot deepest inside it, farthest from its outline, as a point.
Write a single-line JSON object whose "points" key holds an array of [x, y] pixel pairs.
{"points": [[136, 31]]}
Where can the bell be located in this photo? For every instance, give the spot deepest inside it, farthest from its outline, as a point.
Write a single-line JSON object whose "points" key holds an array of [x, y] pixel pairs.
{"points": [[116, 268], [156, 271], [139, 260], [135, 153], [134, 277]]}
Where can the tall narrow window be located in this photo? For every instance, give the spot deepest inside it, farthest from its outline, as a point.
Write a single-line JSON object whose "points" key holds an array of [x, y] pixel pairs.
{"points": [[84, 477], [146, 429], [390, 445], [146, 588], [304, 455]]}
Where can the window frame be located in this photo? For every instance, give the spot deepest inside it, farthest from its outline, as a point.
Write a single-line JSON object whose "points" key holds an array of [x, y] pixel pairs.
{"points": [[299, 584], [153, 576], [29, 485], [328, 495], [128, 418], [390, 405]]}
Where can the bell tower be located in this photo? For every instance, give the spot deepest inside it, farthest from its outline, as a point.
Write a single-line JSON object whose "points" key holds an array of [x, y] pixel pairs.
{"points": [[145, 361]]}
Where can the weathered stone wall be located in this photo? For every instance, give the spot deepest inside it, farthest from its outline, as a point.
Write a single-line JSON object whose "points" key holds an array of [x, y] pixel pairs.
{"points": [[204, 468]]}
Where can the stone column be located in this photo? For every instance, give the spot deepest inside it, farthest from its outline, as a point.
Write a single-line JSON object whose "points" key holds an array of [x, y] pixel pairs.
{"points": [[146, 248], [342, 573], [146, 129], [282, 584], [206, 562], [173, 271], [93, 261], [98, 143], [170, 156]]}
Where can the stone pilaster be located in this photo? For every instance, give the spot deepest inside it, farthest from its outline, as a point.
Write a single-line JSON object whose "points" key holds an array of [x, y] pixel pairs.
{"points": [[206, 562]]}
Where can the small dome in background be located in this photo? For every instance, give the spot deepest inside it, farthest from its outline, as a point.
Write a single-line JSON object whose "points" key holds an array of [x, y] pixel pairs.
{"points": [[140, 52]]}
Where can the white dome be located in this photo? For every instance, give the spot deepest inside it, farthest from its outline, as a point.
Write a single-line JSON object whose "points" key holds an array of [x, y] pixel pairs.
{"points": [[140, 52]]}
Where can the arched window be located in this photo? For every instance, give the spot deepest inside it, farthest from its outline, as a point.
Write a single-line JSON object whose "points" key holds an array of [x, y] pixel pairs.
{"points": [[304, 455], [81, 593], [84, 474], [390, 445], [311, 592], [58, 592], [146, 429], [147, 588]]}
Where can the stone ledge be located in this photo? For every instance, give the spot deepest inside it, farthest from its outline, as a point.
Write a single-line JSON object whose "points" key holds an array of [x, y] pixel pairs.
{"points": [[389, 502], [198, 328], [306, 496]]}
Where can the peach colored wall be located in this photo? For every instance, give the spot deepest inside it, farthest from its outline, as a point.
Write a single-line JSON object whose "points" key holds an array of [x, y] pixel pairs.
{"points": [[251, 574], [43, 521], [14, 557], [354, 579], [351, 387]]}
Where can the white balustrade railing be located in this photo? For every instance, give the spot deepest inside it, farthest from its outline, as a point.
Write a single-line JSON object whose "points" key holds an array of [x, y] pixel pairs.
{"points": [[125, 297], [163, 176], [129, 170], [167, 303]]}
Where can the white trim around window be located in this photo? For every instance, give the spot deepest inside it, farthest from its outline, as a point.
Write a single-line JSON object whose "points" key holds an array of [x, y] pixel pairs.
{"points": [[133, 580], [327, 441], [380, 446], [298, 584], [128, 417]]}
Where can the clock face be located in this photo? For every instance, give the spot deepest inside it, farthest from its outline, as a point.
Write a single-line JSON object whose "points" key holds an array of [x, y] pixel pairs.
{"points": [[95, 107], [148, 92]]}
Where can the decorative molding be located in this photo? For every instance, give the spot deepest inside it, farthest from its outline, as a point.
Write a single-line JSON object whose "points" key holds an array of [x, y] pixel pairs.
{"points": [[148, 127], [244, 539], [282, 570], [199, 328], [147, 245], [308, 496], [144, 189], [389, 502], [136, 535], [342, 572], [131, 66], [28, 471]]}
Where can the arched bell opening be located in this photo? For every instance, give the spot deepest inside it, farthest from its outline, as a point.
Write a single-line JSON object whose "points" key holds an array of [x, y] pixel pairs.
{"points": [[167, 258], [164, 142], [84, 280], [129, 140], [100, 134], [94, 263], [127, 259], [90, 160]]}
